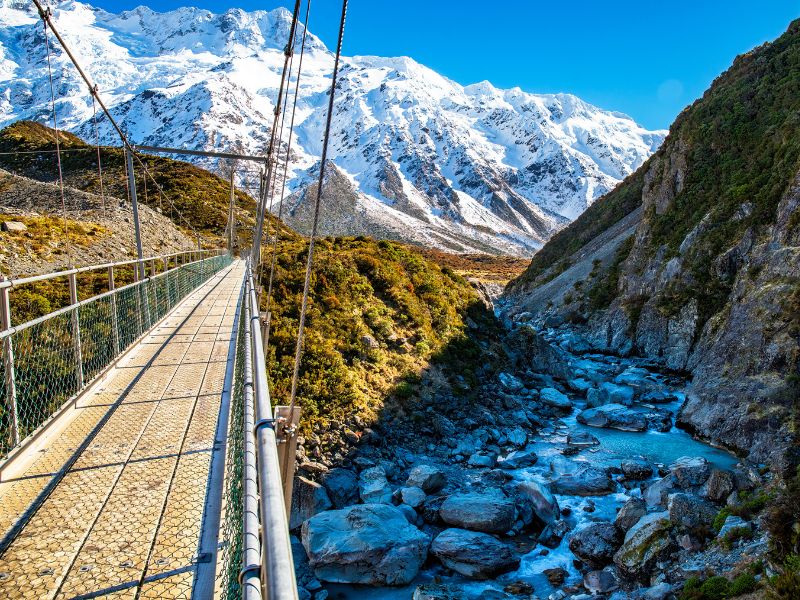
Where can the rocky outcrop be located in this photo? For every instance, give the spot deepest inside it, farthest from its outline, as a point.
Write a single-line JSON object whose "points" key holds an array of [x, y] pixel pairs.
{"points": [[370, 544]]}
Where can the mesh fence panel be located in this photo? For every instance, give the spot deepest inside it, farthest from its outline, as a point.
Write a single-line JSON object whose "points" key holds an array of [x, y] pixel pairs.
{"points": [[54, 358], [231, 524]]}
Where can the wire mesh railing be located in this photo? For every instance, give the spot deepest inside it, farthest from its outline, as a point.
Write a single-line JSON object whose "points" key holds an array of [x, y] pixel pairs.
{"points": [[47, 361]]}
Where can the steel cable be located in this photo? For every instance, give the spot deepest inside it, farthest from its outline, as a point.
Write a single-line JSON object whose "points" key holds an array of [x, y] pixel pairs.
{"points": [[309, 263]]}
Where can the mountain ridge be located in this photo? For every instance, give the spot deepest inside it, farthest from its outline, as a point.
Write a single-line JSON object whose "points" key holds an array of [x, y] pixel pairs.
{"points": [[464, 167]]}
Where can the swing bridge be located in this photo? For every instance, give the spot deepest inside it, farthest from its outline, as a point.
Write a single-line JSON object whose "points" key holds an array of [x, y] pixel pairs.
{"points": [[140, 453]]}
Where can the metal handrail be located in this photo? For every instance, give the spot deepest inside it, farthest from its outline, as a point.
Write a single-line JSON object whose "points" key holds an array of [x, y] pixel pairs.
{"points": [[277, 567]]}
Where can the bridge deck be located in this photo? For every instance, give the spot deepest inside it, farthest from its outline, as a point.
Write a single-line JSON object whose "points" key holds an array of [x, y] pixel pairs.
{"points": [[125, 519]]}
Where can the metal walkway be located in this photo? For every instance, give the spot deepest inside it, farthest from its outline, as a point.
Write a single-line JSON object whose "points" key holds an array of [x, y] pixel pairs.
{"points": [[125, 519]]}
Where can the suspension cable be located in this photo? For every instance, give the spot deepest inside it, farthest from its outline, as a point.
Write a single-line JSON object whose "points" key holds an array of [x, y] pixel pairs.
{"points": [[256, 254], [283, 183], [309, 263], [58, 143], [99, 162]]}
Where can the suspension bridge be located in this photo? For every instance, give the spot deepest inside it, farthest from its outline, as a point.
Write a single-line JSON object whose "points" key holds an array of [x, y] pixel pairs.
{"points": [[140, 452]]}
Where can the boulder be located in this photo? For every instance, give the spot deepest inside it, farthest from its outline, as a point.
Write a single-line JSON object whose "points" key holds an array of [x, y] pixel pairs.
{"points": [[438, 591], [308, 499], [659, 397], [657, 492], [581, 439], [429, 478], [413, 496], [645, 543], [486, 460], [690, 471], [517, 437], [488, 512], [473, 554], [541, 499], [630, 513], [600, 582], [552, 397], [371, 544], [555, 576], [588, 481], [342, 486], [373, 487], [613, 416], [579, 385], [719, 485], [518, 459], [690, 512], [732, 522], [596, 544], [612, 393], [658, 419], [553, 533], [13, 226], [511, 383], [636, 469]]}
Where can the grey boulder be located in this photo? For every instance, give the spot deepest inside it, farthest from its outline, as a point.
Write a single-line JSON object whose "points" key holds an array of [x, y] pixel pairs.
{"points": [[636, 469], [613, 416], [552, 397], [308, 499], [630, 513], [518, 459], [373, 487], [690, 512], [473, 554], [588, 481], [371, 544], [596, 544], [645, 544], [490, 512], [429, 478], [690, 471], [342, 486]]}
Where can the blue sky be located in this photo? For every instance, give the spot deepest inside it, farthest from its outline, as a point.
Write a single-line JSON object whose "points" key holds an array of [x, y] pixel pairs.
{"points": [[647, 59]]}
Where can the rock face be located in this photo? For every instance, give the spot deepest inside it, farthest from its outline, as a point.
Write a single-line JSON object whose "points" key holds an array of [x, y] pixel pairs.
{"points": [[588, 481], [699, 274], [472, 554], [645, 543], [487, 512], [372, 544], [596, 544]]}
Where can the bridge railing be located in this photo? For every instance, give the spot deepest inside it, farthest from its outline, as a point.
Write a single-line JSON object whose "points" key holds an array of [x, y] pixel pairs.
{"points": [[49, 359], [257, 556]]}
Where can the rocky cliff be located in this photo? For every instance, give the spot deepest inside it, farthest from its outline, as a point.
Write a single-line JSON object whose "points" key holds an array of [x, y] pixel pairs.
{"points": [[694, 260]]}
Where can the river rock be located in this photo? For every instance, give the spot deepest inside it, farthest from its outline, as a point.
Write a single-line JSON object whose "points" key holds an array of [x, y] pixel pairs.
{"points": [[636, 469], [342, 487], [579, 385], [511, 383], [588, 481], [552, 397], [581, 439], [596, 544], [553, 533], [473, 554], [613, 416], [719, 485], [413, 496], [308, 499], [438, 591], [630, 513], [490, 512], [690, 512], [483, 459], [373, 487], [555, 576], [539, 496], [657, 492], [517, 437], [612, 393], [600, 582], [518, 459], [371, 544], [659, 397], [690, 471], [645, 543], [429, 478]]}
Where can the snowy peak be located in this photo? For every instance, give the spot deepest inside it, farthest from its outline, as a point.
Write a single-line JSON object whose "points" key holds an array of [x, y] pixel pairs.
{"points": [[464, 168]]}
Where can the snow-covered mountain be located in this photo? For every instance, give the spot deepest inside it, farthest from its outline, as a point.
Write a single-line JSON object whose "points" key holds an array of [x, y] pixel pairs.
{"points": [[417, 157]]}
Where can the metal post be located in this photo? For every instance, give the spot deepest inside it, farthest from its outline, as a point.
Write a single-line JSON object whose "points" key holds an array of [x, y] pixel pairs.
{"points": [[8, 360], [287, 449], [76, 330], [135, 204], [232, 216], [259, 230], [114, 315]]}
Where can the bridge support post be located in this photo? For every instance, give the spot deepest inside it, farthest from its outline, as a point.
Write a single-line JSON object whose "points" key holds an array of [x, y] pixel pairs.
{"points": [[114, 315], [76, 330], [8, 363], [135, 205], [287, 449]]}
